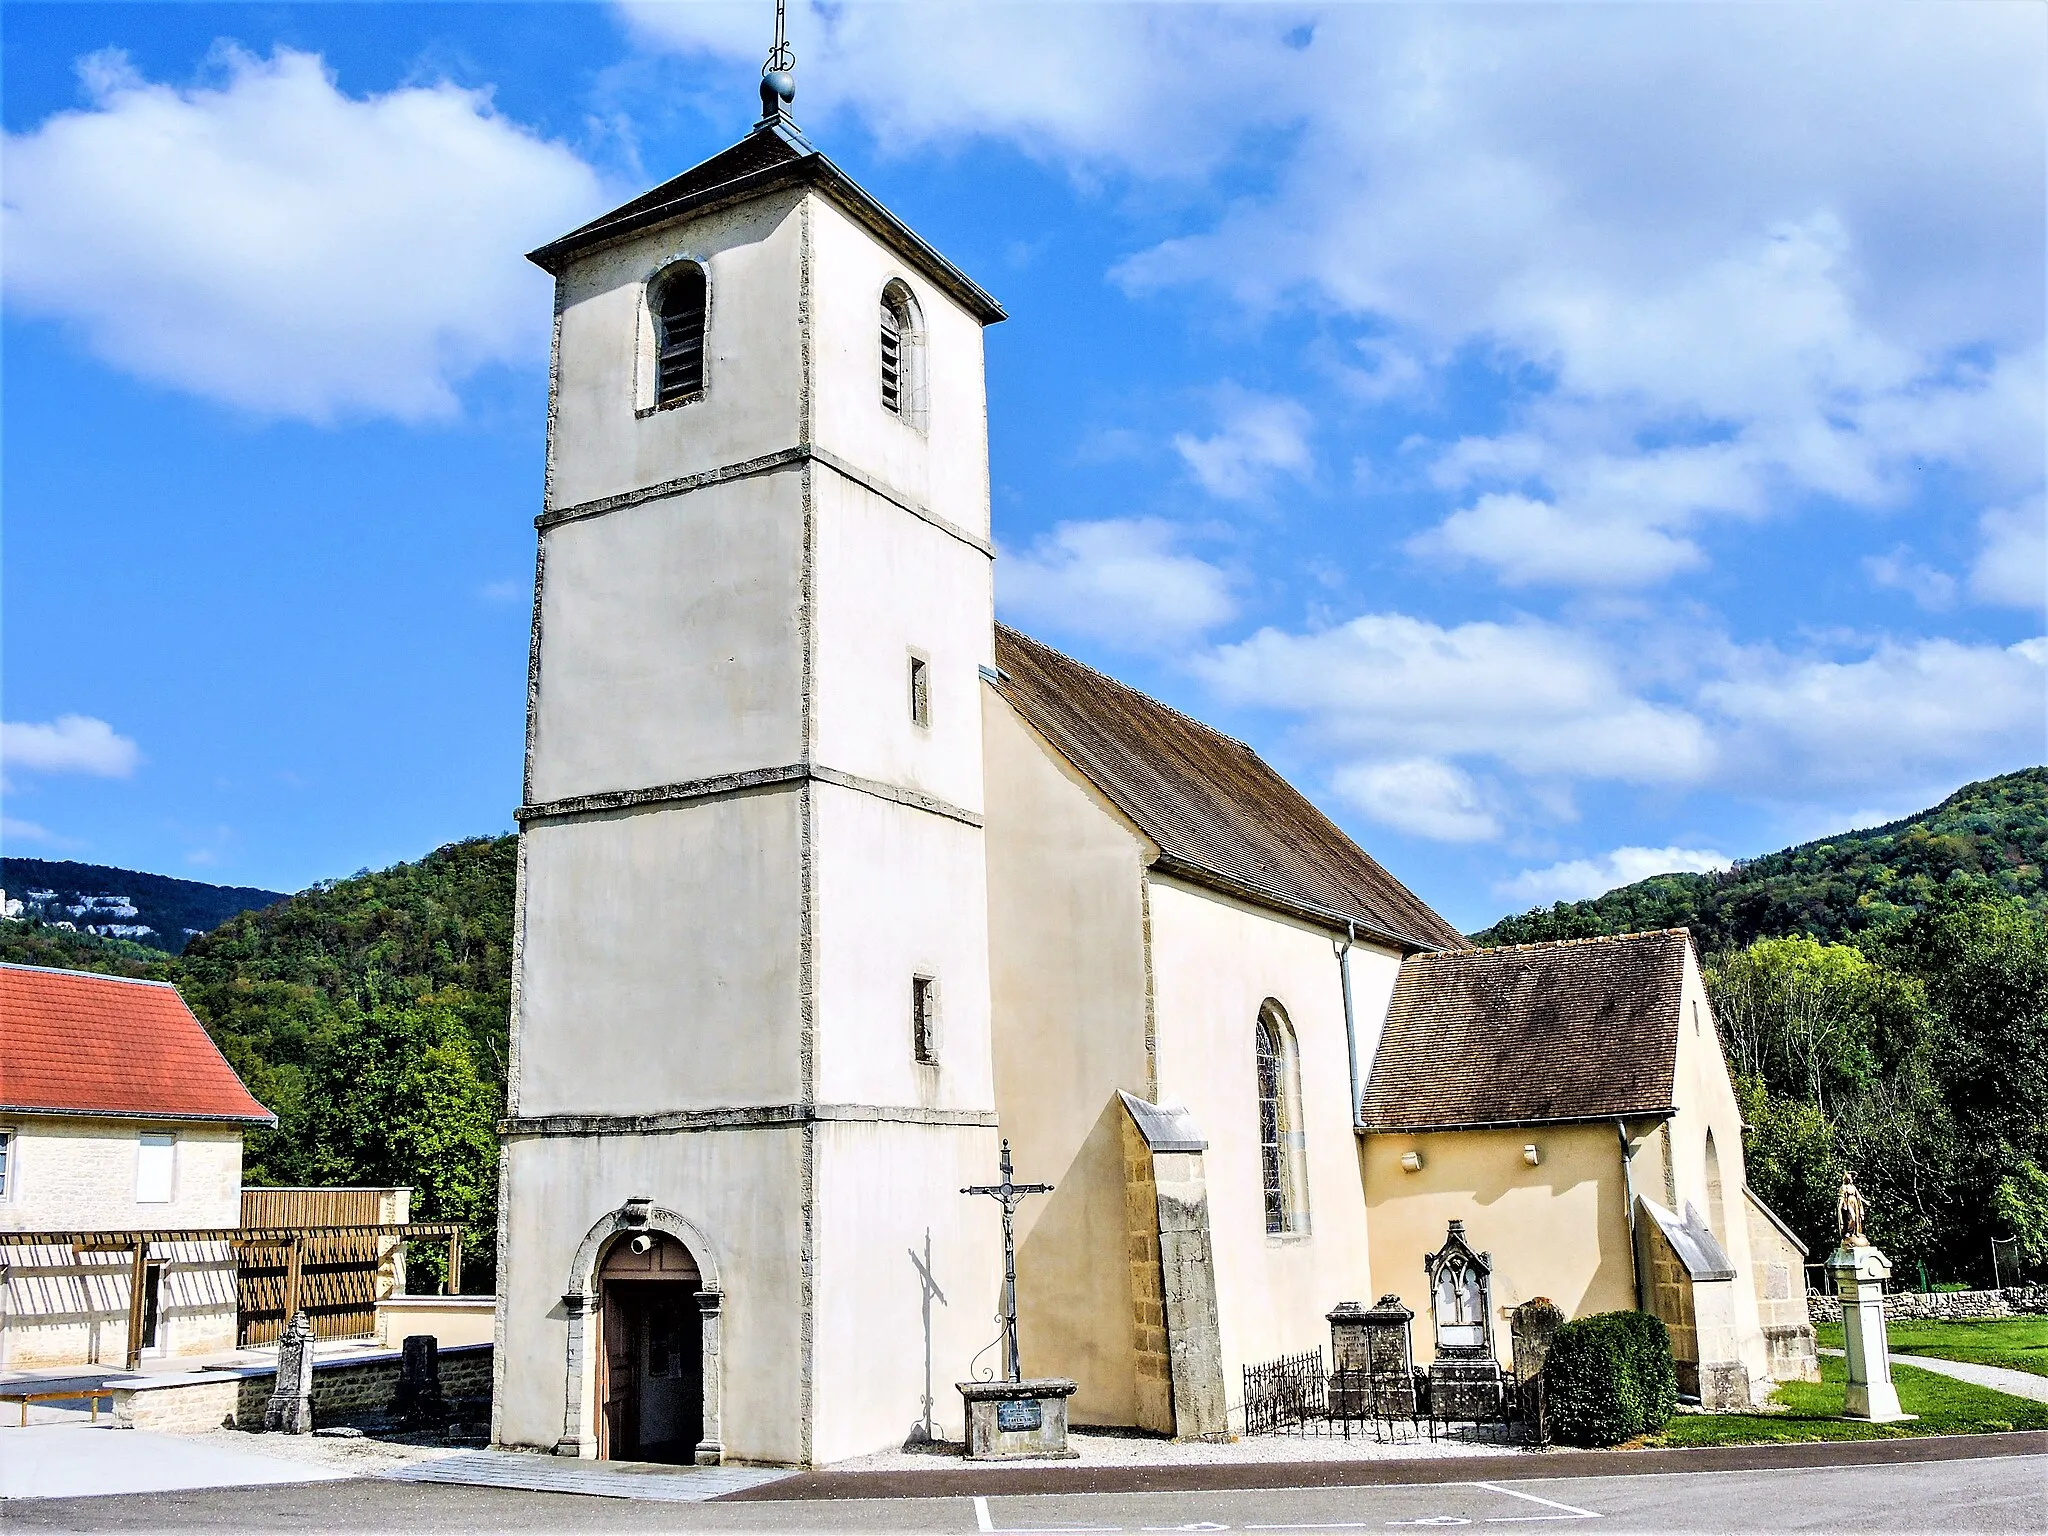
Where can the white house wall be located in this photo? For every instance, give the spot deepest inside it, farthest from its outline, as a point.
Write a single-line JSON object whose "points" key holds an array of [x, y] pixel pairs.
{"points": [[66, 1173], [1215, 963]]}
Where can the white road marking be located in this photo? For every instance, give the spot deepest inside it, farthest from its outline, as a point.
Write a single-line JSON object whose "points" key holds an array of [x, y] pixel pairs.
{"points": [[1571, 1511], [981, 1519]]}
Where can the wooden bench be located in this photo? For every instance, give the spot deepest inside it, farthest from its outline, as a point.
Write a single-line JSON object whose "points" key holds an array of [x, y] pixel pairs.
{"points": [[71, 1395]]}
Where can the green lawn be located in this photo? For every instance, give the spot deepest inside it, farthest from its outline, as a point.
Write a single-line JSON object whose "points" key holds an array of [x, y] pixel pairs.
{"points": [[1811, 1412], [2017, 1343]]}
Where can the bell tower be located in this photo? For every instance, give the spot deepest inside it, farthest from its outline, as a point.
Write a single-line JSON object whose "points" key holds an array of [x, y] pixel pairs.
{"points": [[750, 1003]]}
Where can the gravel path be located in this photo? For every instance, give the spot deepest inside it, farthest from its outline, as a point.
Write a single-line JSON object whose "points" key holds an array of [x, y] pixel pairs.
{"points": [[360, 1457]]}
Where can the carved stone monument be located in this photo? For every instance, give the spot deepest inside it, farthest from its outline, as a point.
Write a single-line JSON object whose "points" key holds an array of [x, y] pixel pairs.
{"points": [[1860, 1272], [290, 1409]]}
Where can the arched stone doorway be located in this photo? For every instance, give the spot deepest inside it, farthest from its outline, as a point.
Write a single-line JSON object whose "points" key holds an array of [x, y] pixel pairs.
{"points": [[661, 1242], [650, 1381]]}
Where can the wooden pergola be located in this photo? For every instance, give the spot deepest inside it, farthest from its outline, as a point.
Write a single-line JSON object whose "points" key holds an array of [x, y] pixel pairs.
{"points": [[298, 1244]]}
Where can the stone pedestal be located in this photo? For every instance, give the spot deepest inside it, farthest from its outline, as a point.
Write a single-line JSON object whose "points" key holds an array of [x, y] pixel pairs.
{"points": [[1017, 1420], [1860, 1272], [419, 1402], [290, 1409]]}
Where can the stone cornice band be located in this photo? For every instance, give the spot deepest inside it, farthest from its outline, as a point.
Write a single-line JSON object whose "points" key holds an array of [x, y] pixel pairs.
{"points": [[766, 464], [741, 1118], [739, 783]]}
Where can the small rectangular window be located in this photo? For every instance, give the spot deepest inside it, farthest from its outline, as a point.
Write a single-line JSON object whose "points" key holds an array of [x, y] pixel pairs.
{"points": [[6, 1164], [920, 691], [924, 1020], [154, 1167]]}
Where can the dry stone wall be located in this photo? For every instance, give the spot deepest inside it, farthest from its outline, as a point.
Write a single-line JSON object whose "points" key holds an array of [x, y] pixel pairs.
{"points": [[1944, 1306]]}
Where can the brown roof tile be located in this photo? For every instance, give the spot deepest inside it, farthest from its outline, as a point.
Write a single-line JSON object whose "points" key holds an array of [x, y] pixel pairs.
{"points": [[1580, 1029], [1219, 814]]}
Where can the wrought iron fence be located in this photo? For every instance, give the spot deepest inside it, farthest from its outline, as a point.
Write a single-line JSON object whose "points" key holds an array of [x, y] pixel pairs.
{"points": [[1282, 1393]]}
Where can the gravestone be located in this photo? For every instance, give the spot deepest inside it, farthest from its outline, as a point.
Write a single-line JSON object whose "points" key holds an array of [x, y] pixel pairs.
{"points": [[290, 1409], [1533, 1324], [419, 1401]]}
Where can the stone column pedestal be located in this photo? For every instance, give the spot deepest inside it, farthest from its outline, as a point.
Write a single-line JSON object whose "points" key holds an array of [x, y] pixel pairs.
{"points": [[290, 1409], [1860, 1272]]}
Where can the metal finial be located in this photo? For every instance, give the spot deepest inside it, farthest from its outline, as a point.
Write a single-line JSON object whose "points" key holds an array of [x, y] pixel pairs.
{"points": [[778, 85]]}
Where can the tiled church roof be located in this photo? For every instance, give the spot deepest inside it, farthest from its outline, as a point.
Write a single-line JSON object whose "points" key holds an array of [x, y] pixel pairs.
{"points": [[1219, 814], [771, 156], [74, 1043], [1581, 1029]]}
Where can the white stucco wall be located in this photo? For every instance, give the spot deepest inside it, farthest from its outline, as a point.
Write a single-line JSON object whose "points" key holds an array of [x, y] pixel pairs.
{"points": [[69, 1173], [1215, 963], [754, 394]]}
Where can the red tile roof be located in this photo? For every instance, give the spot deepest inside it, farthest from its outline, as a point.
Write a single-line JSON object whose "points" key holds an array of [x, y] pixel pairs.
{"points": [[75, 1043]]}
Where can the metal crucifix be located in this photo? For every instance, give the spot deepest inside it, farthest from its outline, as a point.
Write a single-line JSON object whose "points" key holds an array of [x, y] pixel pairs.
{"points": [[1012, 1195]]}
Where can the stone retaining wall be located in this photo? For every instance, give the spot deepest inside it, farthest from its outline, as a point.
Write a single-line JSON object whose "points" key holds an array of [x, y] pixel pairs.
{"points": [[1944, 1306], [344, 1392]]}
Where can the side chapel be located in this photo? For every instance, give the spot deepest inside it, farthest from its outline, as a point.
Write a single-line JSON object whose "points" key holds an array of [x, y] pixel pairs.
{"points": [[828, 881]]}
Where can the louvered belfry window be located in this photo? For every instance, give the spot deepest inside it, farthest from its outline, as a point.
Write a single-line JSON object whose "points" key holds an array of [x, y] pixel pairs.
{"points": [[892, 355], [680, 372]]}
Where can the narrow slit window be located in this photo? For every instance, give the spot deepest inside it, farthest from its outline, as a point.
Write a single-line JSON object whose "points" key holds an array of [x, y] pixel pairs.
{"points": [[924, 1020], [679, 314], [155, 1168], [920, 691]]}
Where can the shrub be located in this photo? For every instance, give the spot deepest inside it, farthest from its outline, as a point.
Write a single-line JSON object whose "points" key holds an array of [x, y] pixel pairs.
{"points": [[1609, 1378]]}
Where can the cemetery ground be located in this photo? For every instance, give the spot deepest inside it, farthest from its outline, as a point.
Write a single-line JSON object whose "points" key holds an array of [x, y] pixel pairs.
{"points": [[2013, 1343]]}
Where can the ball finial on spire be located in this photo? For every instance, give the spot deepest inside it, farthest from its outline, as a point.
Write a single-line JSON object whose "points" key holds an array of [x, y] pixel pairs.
{"points": [[778, 83]]}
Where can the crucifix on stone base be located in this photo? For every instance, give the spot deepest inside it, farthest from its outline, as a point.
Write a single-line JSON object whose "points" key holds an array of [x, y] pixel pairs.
{"points": [[1012, 1195]]}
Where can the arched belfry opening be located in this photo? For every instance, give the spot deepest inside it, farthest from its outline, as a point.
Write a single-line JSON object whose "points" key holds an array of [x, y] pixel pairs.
{"points": [[650, 1385]]}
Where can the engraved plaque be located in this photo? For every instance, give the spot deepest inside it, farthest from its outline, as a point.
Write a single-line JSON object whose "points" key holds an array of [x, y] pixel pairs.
{"points": [[1018, 1415]]}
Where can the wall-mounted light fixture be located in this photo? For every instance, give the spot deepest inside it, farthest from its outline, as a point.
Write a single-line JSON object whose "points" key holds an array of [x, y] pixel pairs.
{"points": [[1412, 1161], [1530, 1155]]}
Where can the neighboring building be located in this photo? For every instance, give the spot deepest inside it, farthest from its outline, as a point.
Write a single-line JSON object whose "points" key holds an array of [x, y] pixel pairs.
{"points": [[117, 1111], [923, 883]]}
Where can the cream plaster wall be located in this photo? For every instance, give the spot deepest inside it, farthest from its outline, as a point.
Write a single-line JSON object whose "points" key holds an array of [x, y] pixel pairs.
{"points": [[888, 585], [880, 1189], [899, 893], [660, 958], [1215, 962], [1559, 1229], [945, 465], [741, 1187], [1068, 989], [755, 401], [672, 640], [66, 1173]]}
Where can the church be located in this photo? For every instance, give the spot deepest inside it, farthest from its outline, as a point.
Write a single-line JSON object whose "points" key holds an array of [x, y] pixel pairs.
{"points": [[830, 885]]}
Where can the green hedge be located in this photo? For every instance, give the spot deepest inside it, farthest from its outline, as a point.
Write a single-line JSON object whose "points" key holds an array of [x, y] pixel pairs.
{"points": [[1609, 1378]]}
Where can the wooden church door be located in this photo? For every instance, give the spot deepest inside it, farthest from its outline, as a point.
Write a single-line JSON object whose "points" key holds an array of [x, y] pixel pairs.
{"points": [[652, 1391]]}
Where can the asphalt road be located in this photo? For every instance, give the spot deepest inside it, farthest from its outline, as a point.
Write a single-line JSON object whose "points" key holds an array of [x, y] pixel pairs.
{"points": [[1991, 1494]]}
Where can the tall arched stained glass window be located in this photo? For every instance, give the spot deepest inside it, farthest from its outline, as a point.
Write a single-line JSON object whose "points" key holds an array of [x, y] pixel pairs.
{"points": [[1282, 1148]]}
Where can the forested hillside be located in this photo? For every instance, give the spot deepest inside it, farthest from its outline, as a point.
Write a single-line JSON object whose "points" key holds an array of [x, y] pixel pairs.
{"points": [[158, 911], [1986, 839]]}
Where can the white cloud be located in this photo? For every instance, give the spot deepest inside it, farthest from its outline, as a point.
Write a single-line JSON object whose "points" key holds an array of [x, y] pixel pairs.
{"points": [[1420, 795], [272, 243], [1538, 698], [2012, 567], [1929, 712], [68, 744], [1119, 580], [1528, 541], [1931, 589], [1580, 879], [1261, 437], [13, 830]]}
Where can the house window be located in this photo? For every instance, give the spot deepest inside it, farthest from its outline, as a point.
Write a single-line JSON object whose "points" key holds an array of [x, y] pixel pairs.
{"points": [[920, 691], [924, 1021], [902, 355], [679, 307], [1282, 1148], [6, 1164], [155, 1166]]}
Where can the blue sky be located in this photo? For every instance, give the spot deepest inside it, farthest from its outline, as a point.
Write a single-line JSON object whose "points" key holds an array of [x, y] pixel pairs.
{"points": [[1571, 442]]}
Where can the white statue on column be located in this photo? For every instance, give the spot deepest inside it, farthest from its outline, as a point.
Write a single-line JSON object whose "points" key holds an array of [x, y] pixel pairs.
{"points": [[1860, 1272]]}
